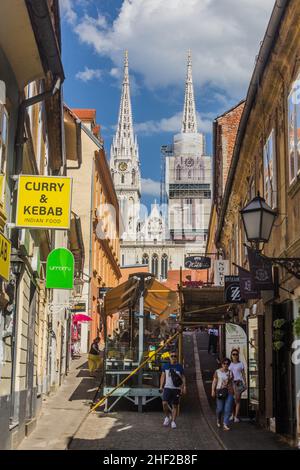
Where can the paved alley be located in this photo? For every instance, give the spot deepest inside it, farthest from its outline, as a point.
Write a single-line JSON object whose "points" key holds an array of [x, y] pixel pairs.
{"points": [[64, 422], [63, 411]]}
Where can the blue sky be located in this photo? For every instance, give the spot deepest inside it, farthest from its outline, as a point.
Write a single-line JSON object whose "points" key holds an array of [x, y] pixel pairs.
{"points": [[224, 37]]}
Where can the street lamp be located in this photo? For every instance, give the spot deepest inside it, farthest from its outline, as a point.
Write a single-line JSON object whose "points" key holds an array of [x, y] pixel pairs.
{"points": [[258, 220]]}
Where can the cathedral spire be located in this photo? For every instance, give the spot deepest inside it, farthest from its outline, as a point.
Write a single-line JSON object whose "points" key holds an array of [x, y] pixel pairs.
{"points": [[124, 140], [189, 121]]}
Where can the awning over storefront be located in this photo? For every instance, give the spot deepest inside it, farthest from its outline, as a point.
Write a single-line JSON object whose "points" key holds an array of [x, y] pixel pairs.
{"points": [[158, 299], [204, 305]]}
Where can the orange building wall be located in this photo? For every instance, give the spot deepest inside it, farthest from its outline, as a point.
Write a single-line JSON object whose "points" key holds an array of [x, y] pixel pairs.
{"points": [[105, 252]]}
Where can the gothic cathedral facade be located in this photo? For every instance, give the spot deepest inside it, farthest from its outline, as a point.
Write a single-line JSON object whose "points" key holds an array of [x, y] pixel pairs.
{"points": [[163, 239]]}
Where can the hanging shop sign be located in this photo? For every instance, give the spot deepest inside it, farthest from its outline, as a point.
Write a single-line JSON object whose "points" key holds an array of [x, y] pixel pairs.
{"points": [[233, 290], [261, 270], [236, 338], [247, 285], [5, 249], [197, 262], [221, 270], [103, 291], [44, 202], [60, 269], [79, 307]]}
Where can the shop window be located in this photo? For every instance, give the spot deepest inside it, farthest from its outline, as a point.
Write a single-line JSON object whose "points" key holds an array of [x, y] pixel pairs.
{"points": [[253, 361], [294, 131], [270, 171]]}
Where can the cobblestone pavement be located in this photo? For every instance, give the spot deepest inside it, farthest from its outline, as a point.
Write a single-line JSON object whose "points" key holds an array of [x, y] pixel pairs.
{"points": [[63, 411], [131, 430], [64, 422], [245, 435]]}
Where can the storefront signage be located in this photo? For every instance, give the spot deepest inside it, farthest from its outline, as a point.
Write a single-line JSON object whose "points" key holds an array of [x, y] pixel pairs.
{"points": [[197, 262], [5, 249], [44, 202], [261, 270], [233, 290], [103, 291], [192, 284], [80, 307], [247, 285], [221, 270], [236, 338], [60, 269]]}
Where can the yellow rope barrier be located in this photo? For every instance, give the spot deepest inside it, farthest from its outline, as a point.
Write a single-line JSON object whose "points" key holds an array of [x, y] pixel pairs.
{"points": [[100, 402]]}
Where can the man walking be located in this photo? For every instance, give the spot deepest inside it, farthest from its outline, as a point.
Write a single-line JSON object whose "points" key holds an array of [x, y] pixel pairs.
{"points": [[173, 384]]}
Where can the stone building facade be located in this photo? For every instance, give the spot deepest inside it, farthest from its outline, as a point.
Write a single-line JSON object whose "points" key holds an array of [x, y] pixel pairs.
{"points": [[266, 160]]}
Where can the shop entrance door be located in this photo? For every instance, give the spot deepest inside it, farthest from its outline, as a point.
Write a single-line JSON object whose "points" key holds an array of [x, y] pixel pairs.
{"points": [[283, 371]]}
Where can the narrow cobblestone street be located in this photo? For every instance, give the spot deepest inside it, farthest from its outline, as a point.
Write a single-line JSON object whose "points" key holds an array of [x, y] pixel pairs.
{"points": [[130, 430], [65, 424]]}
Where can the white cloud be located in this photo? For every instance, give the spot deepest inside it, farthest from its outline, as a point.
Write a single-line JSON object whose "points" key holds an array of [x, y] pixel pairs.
{"points": [[171, 124], [150, 187], [68, 11], [89, 74], [224, 36], [115, 72]]}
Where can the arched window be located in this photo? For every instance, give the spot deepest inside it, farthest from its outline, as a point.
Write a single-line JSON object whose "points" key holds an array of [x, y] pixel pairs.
{"points": [[178, 173], [154, 265], [145, 259], [133, 177], [122, 178], [164, 266]]}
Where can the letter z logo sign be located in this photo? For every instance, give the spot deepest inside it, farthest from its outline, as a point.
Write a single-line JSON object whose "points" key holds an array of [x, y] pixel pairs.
{"points": [[232, 290]]}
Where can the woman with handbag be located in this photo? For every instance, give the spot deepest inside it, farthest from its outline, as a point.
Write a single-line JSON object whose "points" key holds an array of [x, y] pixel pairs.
{"points": [[222, 390], [239, 382]]}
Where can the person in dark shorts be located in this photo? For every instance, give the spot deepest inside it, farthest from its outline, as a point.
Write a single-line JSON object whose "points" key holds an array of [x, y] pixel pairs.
{"points": [[171, 391]]}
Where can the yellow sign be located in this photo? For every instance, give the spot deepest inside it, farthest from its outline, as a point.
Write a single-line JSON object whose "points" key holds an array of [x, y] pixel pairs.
{"points": [[5, 249], [44, 202]]}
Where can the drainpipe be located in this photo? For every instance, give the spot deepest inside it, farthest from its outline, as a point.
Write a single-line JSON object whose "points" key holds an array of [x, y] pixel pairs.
{"points": [[20, 140]]}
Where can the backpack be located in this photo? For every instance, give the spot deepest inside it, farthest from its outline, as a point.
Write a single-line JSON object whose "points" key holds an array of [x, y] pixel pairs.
{"points": [[176, 379]]}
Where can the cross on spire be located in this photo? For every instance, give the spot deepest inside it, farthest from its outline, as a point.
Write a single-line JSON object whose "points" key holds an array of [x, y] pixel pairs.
{"points": [[189, 120]]}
